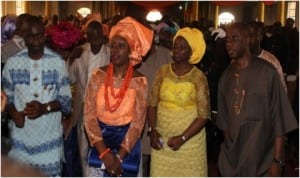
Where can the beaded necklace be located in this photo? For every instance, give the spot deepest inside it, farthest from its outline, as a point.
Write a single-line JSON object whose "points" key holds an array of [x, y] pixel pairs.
{"points": [[109, 83]]}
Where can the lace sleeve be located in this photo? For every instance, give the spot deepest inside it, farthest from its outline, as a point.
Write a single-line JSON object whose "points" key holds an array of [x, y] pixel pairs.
{"points": [[137, 124], [154, 93], [90, 110], [203, 101]]}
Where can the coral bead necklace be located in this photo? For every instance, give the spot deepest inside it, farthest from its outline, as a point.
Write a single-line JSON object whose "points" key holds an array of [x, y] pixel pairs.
{"points": [[109, 83]]}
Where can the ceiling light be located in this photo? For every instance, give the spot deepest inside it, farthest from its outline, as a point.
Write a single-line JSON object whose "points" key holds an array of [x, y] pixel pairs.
{"points": [[84, 11], [154, 15]]}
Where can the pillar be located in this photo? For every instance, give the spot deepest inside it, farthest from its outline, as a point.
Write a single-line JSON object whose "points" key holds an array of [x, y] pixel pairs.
{"points": [[261, 12], [27, 7], [195, 11], [111, 12], [281, 12], [217, 16], [47, 12]]}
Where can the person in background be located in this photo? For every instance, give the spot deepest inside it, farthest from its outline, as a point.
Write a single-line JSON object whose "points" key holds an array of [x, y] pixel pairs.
{"points": [[95, 55], [179, 108], [63, 38], [254, 112], [38, 90], [290, 35], [165, 36], [116, 102], [77, 51], [256, 36], [54, 20], [17, 43], [8, 27]]}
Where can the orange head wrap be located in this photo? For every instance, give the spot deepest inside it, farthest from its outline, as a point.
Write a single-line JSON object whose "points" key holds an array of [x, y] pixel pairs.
{"points": [[137, 35]]}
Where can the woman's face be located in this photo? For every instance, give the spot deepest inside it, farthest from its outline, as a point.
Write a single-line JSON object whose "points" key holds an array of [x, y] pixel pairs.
{"points": [[119, 50], [181, 50]]}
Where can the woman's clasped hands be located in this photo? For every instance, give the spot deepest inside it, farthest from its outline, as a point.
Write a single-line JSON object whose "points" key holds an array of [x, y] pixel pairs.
{"points": [[112, 164], [157, 143]]}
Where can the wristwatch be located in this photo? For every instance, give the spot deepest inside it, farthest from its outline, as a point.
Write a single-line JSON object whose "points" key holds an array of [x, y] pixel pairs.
{"points": [[48, 108], [150, 129], [183, 138], [279, 162]]}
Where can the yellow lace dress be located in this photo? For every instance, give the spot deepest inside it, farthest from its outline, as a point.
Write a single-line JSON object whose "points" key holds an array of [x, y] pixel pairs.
{"points": [[179, 100]]}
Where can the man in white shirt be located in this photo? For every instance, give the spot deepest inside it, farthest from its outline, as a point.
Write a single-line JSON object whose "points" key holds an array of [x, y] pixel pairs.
{"points": [[95, 54]]}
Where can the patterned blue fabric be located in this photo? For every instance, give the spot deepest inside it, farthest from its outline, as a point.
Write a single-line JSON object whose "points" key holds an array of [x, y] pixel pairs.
{"points": [[112, 138], [65, 81], [65, 102], [50, 77], [20, 76], [40, 141], [31, 150], [51, 169], [9, 86]]}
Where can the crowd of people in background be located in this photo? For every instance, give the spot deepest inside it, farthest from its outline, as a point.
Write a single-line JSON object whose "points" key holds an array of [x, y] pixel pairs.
{"points": [[126, 97], [279, 39]]}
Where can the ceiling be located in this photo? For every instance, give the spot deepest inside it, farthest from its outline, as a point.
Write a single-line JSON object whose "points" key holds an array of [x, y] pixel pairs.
{"points": [[155, 4]]}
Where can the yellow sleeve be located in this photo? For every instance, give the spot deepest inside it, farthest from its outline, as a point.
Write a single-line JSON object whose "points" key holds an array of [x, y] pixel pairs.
{"points": [[203, 99]]}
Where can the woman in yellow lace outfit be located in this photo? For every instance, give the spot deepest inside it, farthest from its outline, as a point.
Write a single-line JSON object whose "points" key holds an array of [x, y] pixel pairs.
{"points": [[178, 110]]}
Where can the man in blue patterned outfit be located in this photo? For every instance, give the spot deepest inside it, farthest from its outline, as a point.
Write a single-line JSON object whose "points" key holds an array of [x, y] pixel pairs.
{"points": [[38, 89]]}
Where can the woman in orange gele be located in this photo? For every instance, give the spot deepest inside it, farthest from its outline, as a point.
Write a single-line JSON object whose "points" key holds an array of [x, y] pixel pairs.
{"points": [[116, 102]]}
